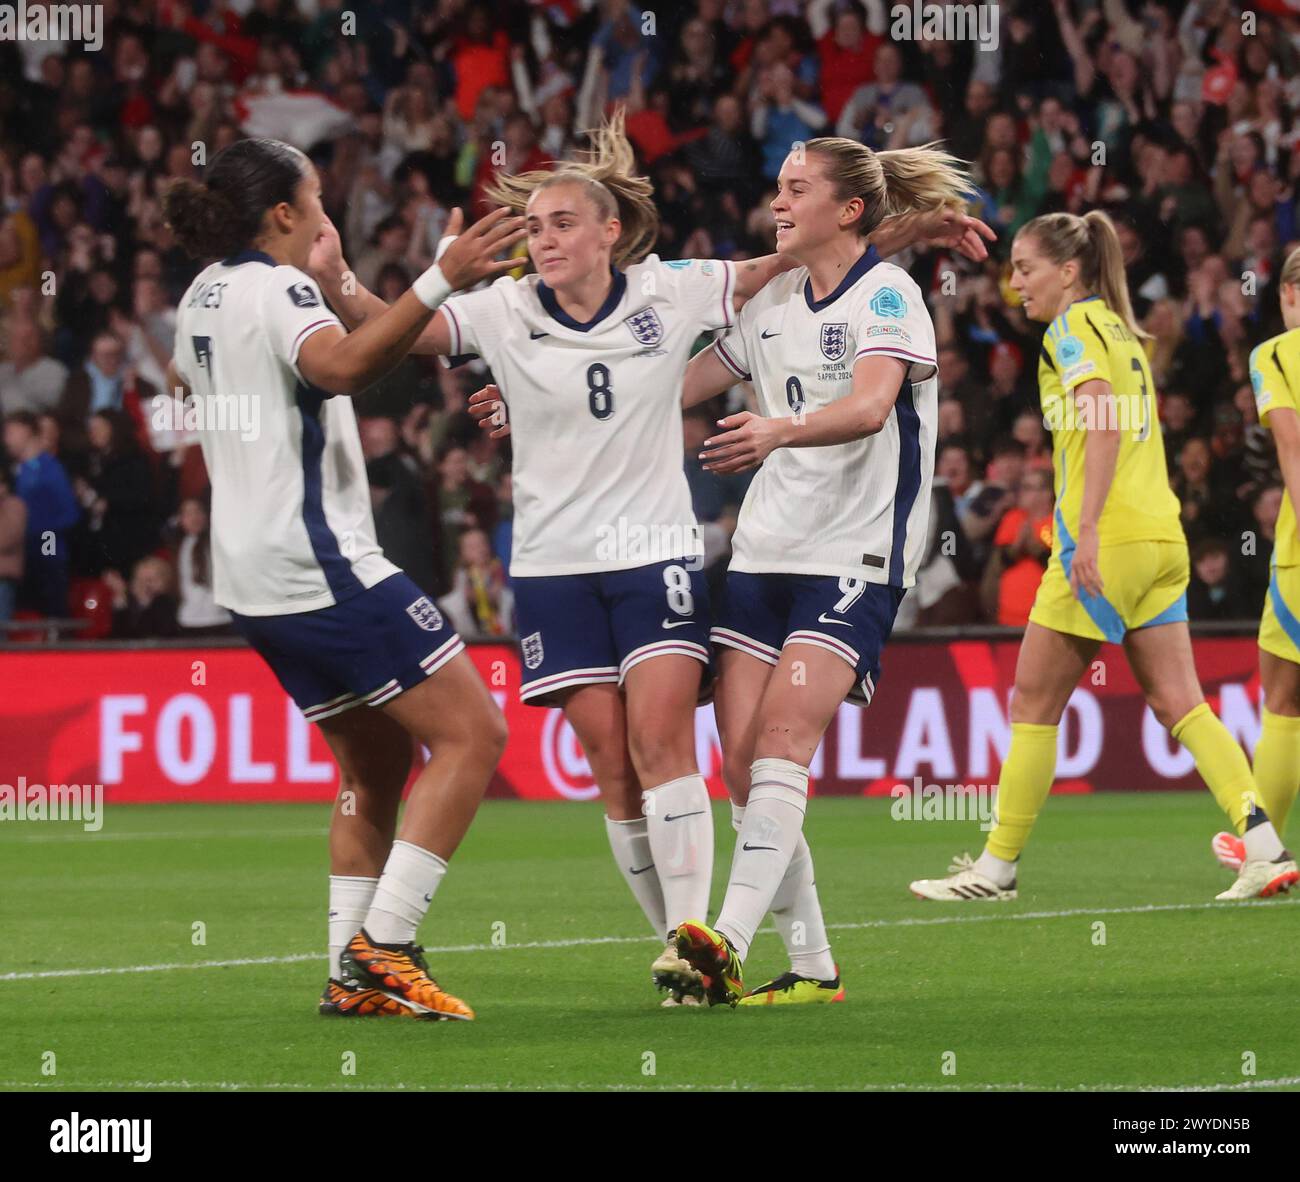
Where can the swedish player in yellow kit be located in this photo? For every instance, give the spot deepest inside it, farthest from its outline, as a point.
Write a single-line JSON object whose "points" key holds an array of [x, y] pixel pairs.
{"points": [[1119, 567], [1275, 376]]}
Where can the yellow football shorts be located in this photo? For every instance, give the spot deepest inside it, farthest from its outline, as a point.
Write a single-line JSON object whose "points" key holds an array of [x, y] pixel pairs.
{"points": [[1143, 583], [1279, 626]]}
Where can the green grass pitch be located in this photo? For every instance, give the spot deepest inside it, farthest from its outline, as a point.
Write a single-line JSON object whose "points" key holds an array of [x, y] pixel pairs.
{"points": [[1182, 993]]}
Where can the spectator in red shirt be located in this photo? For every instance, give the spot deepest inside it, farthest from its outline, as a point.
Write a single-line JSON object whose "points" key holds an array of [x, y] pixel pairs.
{"points": [[1024, 544], [481, 59], [846, 51]]}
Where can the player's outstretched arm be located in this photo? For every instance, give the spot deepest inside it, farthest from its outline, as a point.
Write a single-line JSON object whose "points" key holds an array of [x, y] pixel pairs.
{"points": [[706, 377], [938, 227], [354, 302], [748, 439], [753, 274], [347, 363]]}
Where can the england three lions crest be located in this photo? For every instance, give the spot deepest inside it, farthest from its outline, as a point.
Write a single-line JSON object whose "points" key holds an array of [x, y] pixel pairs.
{"points": [[532, 650], [425, 614], [646, 326], [835, 339]]}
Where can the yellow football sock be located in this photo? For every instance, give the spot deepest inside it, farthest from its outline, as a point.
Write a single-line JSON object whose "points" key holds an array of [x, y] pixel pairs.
{"points": [[1027, 775], [1221, 762], [1277, 766]]}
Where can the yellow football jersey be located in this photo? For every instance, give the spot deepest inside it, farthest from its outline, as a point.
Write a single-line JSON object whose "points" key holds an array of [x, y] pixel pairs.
{"points": [[1088, 342], [1275, 377]]}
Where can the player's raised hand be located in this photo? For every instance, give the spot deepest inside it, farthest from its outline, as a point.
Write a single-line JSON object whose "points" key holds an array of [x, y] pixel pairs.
{"points": [[956, 230], [472, 257], [746, 441], [487, 407], [326, 264]]}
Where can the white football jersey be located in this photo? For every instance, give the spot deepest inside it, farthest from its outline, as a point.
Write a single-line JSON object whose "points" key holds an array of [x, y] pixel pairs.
{"points": [[292, 529], [595, 411], [857, 509]]}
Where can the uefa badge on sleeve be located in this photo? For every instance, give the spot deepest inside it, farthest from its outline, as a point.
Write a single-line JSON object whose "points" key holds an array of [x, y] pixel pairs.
{"points": [[888, 302], [425, 614], [835, 339], [531, 646]]}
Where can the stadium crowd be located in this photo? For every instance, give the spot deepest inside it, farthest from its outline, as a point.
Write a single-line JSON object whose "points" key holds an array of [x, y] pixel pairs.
{"points": [[1178, 119]]}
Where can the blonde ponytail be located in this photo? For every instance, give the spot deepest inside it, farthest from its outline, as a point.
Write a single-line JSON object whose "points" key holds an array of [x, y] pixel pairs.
{"points": [[918, 180], [606, 176], [1091, 240], [1111, 282], [905, 180]]}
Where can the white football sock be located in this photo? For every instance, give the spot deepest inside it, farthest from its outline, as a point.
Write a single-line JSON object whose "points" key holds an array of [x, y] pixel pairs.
{"points": [[797, 911], [349, 901], [631, 845], [405, 890], [679, 823], [1262, 843], [769, 833], [999, 870]]}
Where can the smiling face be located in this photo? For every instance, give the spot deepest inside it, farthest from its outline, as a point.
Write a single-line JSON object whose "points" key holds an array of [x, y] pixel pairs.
{"points": [[1040, 283], [568, 239], [807, 212]]}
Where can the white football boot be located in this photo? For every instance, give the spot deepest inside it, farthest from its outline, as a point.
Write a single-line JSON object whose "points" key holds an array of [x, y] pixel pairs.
{"points": [[963, 883], [1260, 879]]}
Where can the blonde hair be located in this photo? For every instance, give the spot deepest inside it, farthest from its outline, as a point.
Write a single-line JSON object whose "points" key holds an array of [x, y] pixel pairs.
{"points": [[606, 177], [1291, 269], [1093, 242], [905, 180]]}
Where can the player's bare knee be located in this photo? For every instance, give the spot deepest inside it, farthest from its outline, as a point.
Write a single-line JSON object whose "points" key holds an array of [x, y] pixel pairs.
{"points": [[781, 741], [660, 753], [491, 731]]}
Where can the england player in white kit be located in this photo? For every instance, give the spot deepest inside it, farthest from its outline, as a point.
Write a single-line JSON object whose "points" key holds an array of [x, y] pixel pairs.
{"points": [[841, 352], [589, 354], [264, 363]]}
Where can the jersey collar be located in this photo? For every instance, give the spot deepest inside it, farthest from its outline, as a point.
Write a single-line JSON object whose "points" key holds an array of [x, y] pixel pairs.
{"points": [[854, 273], [552, 305], [248, 256]]}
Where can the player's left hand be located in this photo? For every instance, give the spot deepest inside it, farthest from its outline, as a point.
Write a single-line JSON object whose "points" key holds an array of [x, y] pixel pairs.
{"points": [[745, 442], [488, 408], [957, 230], [326, 264], [1085, 573]]}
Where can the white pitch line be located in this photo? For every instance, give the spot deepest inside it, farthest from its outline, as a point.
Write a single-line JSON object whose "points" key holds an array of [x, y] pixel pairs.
{"points": [[223, 1085], [594, 941]]}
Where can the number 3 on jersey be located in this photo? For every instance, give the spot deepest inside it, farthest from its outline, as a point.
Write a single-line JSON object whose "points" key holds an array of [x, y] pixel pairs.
{"points": [[600, 394]]}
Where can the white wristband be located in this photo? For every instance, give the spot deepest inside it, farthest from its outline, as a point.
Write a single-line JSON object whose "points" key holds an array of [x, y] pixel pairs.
{"points": [[443, 243], [432, 287]]}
